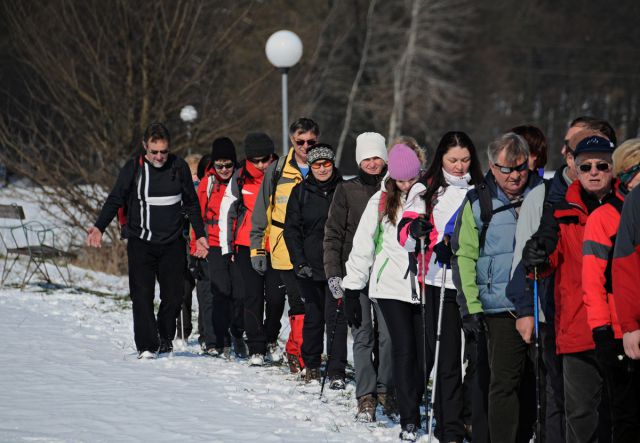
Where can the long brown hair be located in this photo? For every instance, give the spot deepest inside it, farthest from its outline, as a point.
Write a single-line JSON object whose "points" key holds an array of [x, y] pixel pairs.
{"points": [[394, 194]]}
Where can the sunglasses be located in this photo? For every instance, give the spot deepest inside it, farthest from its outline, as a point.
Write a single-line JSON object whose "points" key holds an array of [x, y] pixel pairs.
{"points": [[509, 169], [223, 165], [154, 152], [256, 160], [627, 175], [586, 167], [308, 142], [326, 164]]}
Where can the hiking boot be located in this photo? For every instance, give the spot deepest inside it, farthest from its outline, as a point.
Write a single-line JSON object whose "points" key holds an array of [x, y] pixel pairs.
{"points": [[256, 360], [226, 353], [389, 404], [146, 355], [166, 346], [239, 347], [273, 352], [211, 352], [366, 408], [311, 375], [409, 432], [337, 382], [294, 364]]}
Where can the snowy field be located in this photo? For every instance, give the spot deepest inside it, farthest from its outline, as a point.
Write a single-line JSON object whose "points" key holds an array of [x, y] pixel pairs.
{"points": [[69, 373]]}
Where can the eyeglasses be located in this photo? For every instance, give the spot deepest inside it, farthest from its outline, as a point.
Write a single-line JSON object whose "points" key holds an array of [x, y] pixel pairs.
{"points": [[326, 164], [256, 160], [308, 142], [154, 152], [223, 165], [602, 167], [509, 169], [627, 175]]}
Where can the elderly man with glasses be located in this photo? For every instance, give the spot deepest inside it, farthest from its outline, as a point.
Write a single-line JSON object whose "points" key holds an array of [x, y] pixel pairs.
{"points": [[267, 225], [557, 245], [481, 267], [156, 188]]}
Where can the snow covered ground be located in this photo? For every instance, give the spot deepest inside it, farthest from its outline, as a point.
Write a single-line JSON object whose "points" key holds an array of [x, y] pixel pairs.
{"points": [[70, 373]]}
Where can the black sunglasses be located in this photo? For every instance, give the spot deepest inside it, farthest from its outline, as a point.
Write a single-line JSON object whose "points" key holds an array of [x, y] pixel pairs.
{"points": [[586, 167], [308, 142], [508, 169], [163, 152], [256, 160], [223, 165]]}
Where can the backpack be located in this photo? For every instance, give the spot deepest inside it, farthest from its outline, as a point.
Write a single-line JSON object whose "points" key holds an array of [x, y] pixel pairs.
{"points": [[486, 207], [277, 173]]}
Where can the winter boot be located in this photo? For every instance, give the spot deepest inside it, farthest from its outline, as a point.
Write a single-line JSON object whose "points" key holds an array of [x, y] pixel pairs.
{"points": [[273, 352], [226, 353], [366, 408], [389, 404], [294, 343], [337, 382], [256, 360], [294, 364], [239, 347], [146, 355], [166, 346], [312, 374], [409, 432]]}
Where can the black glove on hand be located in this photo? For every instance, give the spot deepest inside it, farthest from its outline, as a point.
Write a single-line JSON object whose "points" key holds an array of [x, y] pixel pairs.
{"points": [[474, 324], [352, 309], [259, 261], [304, 271], [534, 254], [607, 347], [420, 227], [443, 252]]}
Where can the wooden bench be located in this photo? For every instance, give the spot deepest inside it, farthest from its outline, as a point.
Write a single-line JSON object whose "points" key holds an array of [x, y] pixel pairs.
{"points": [[35, 241]]}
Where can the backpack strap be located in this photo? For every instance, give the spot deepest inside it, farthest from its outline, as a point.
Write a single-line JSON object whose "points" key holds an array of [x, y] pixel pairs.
{"points": [[487, 212], [277, 173]]}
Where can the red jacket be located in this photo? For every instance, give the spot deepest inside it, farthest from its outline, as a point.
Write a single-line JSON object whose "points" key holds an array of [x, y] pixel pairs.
{"points": [[626, 264], [597, 250], [210, 192], [564, 226]]}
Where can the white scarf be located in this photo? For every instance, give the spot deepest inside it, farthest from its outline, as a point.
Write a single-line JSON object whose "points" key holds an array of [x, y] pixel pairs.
{"points": [[454, 180]]}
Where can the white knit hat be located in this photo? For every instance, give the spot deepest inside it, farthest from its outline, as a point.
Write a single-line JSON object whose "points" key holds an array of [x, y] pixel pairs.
{"points": [[370, 144]]}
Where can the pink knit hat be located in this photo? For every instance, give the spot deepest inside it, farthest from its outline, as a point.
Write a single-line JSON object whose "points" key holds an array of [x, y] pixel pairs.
{"points": [[404, 164]]}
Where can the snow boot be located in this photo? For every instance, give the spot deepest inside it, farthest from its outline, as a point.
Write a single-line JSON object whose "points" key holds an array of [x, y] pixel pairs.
{"points": [[239, 347], [409, 432], [337, 383], [273, 352], [166, 346], [256, 360], [389, 405], [146, 355], [294, 343], [366, 408], [312, 374]]}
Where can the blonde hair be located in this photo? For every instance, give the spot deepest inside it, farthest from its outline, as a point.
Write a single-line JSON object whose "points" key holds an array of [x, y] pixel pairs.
{"points": [[626, 155], [193, 160], [413, 144]]}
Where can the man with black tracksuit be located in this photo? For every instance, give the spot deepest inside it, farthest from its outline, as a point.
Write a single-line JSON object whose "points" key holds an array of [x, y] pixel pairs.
{"points": [[157, 190]]}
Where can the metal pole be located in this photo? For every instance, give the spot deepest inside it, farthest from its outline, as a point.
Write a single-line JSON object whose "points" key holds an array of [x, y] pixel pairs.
{"points": [[285, 112]]}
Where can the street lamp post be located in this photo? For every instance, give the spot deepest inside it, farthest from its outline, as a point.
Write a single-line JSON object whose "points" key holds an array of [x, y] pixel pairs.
{"points": [[284, 50], [188, 114]]}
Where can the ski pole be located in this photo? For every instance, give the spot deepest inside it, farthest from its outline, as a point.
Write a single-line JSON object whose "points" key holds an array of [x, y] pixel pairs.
{"points": [[437, 355], [536, 323], [182, 324], [423, 303], [330, 346]]}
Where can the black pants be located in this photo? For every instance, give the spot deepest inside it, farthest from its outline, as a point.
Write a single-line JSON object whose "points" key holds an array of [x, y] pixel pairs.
{"points": [[508, 355], [448, 401], [622, 380], [203, 292], [236, 328], [218, 310], [167, 264], [555, 428], [294, 296], [477, 379], [321, 310], [404, 321], [259, 289]]}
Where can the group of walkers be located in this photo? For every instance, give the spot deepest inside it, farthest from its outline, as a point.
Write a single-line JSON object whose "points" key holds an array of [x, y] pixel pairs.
{"points": [[526, 283]]}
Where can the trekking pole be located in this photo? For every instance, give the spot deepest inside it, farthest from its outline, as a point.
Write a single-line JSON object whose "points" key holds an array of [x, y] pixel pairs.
{"points": [[536, 323], [330, 346], [423, 307], [437, 355], [182, 324]]}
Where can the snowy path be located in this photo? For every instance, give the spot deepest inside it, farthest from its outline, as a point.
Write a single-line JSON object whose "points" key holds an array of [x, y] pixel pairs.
{"points": [[69, 373]]}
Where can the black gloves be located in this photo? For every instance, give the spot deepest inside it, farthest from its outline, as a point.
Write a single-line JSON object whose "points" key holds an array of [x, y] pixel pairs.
{"points": [[195, 268], [352, 309], [474, 325], [443, 252], [304, 271], [534, 254], [607, 347], [420, 227]]}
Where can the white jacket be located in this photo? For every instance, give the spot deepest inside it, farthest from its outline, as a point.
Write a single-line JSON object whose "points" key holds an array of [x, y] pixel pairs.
{"points": [[384, 269]]}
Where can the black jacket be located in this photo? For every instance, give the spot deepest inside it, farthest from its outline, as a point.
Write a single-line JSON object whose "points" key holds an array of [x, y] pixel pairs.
{"points": [[348, 204], [307, 211], [157, 200]]}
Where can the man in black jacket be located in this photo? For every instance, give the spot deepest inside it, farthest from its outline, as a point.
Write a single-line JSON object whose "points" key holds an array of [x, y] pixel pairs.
{"points": [[157, 190]]}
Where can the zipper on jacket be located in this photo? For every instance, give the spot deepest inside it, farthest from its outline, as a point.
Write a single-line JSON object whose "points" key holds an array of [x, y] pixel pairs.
{"points": [[490, 274]]}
